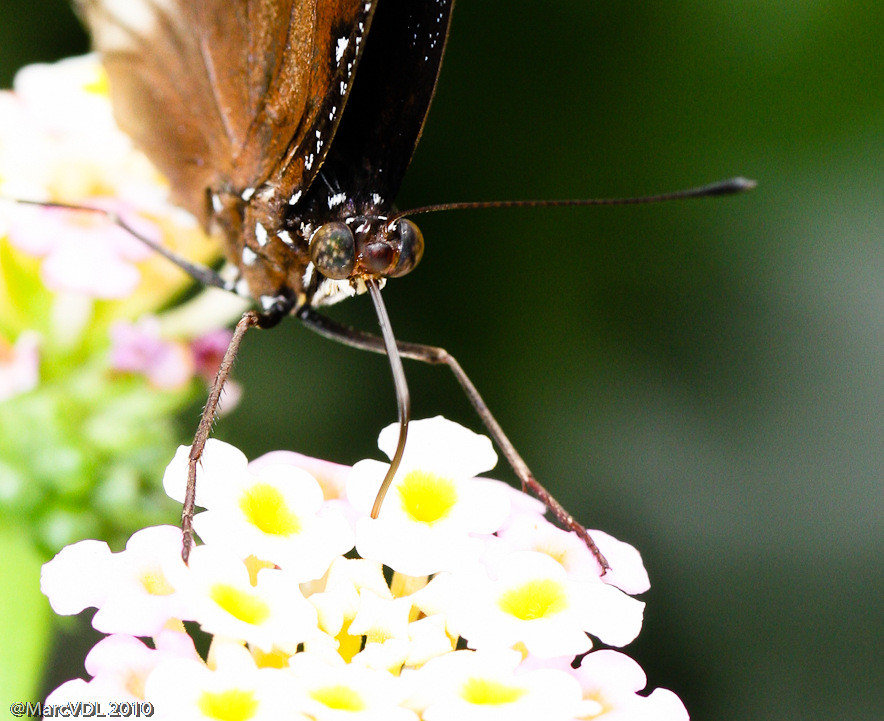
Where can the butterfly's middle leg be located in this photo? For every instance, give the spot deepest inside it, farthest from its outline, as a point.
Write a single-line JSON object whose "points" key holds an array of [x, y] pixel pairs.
{"points": [[435, 355]]}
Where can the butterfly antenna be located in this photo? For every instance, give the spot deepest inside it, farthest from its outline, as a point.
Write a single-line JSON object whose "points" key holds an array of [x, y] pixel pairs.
{"points": [[200, 273], [730, 186], [403, 399]]}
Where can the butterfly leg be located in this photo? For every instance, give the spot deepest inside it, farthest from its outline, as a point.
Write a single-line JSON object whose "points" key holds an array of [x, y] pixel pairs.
{"points": [[250, 319], [434, 355]]}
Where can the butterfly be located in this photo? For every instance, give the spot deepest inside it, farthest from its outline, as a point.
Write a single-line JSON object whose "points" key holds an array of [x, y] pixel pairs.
{"points": [[286, 127]]}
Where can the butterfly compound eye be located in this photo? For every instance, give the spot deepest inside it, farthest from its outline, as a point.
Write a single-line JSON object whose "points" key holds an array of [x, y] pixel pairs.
{"points": [[411, 248], [333, 250]]}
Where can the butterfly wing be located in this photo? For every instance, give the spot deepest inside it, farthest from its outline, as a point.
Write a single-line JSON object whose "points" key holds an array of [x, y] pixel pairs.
{"points": [[385, 114], [224, 94]]}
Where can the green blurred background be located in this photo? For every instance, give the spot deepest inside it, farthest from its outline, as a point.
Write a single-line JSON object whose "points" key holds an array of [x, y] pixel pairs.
{"points": [[704, 379]]}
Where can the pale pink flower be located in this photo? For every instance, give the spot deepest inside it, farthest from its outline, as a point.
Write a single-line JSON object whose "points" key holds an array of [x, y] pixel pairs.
{"points": [[208, 350], [332, 477], [119, 666], [82, 251], [140, 348], [19, 365]]}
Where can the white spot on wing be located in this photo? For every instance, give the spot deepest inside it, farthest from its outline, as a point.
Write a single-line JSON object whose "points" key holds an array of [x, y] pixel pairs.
{"points": [[284, 236], [341, 47], [295, 198], [247, 194], [336, 199], [249, 256], [216, 203], [308, 275], [261, 234], [268, 301]]}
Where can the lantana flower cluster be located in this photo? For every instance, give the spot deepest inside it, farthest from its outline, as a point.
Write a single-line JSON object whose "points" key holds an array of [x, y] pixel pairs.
{"points": [[94, 360], [460, 601]]}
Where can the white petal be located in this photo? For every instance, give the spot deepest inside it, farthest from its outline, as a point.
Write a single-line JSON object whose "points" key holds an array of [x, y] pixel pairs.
{"points": [[221, 466], [79, 577]]}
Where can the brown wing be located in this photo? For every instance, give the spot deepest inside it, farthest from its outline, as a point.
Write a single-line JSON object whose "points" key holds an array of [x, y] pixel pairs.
{"points": [[222, 94]]}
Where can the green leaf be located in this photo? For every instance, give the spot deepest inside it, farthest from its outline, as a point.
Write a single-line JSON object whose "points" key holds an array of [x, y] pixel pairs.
{"points": [[25, 617]]}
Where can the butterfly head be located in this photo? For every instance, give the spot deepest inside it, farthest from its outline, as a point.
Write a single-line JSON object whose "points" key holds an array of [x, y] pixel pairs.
{"points": [[363, 246]]}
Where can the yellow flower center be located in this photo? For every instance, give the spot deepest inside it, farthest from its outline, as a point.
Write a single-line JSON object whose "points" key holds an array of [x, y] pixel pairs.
{"points": [[339, 698], [265, 508], [98, 84], [154, 582], [538, 598], [427, 497], [483, 692], [556, 553], [231, 705], [241, 605], [348, 645], [594, 705], [272, 659], [134, 684]]}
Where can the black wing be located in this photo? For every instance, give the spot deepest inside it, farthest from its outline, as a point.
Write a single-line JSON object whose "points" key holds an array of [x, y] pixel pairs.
{"points": [[388, 104]]}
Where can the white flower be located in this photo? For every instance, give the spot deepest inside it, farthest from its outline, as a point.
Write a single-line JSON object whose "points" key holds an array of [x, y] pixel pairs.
{"points": [[428, 639], [611, 681], [234, 688], [434, 502], [528, 599], [80, 576], [119, 666], [275, 512], [332, 692], [487, 686], [529, 532], [380, 618], [271, 614], [338, 600], [327, 638], [219, 469], [132, 590]]}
